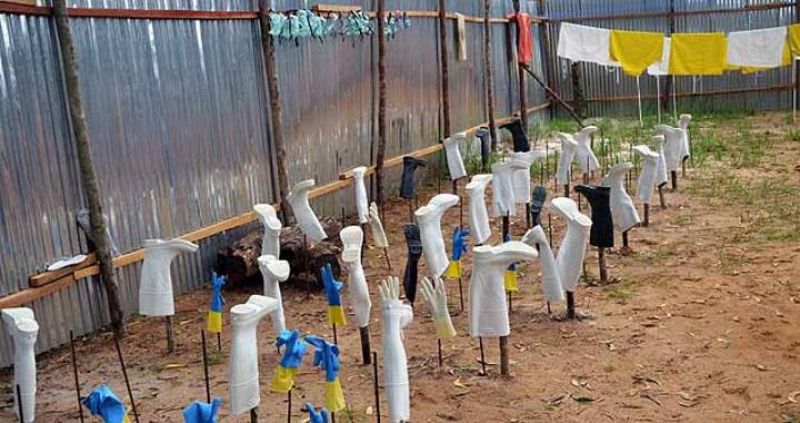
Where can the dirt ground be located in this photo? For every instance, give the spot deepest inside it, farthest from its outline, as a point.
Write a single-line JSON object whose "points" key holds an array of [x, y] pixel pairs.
{"points": [[700, 325]]}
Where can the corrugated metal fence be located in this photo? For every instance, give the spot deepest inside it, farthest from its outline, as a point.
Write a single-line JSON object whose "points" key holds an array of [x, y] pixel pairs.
{"points": [[177, 113], [611, 93]]}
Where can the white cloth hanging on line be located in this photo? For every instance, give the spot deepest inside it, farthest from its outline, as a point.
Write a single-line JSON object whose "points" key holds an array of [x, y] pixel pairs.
{"points": [[760, 48], [580, 43], [661, 68]]}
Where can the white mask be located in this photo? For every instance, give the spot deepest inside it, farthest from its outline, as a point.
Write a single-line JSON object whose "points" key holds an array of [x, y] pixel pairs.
{"points": [[155, 287], [306, 219], [478, 216], [21, 325], [429, 220]]}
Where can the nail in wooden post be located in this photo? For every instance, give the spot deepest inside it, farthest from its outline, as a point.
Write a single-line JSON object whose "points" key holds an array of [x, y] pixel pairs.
{"points": [[205, 366], [75, 374], [375, 385], [504, 361], [365, 346], [127, 381]]}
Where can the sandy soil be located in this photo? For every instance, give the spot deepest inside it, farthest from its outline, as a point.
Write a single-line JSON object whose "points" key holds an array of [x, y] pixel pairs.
{"points": [[700, 326]]}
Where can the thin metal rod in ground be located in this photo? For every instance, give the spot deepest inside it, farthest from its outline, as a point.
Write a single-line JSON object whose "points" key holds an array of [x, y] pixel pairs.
{"points": [[289, 407], [75, 373], [375, 385], [253, 415], [439, 343], [170, 340], [625, 241], [674, 175], [483, 357], [335, 337], [127, 381], [205, 365]]}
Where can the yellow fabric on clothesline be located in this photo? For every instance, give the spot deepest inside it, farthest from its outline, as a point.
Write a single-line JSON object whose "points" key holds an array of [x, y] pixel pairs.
{"points": [[793, 35], [636, 50], [698, 54]]}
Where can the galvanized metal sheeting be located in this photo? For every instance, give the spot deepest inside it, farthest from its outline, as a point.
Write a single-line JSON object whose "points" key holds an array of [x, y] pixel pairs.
{"points": [[178, 119]]}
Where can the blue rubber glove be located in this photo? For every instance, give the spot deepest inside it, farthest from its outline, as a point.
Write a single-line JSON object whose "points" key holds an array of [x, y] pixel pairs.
{"points": [[278, 25], [332, 286], [513, 267], [217, 302], [295, 349], [459, 243], [315, 416], [202, 412], [104, 403], [326, 357]]}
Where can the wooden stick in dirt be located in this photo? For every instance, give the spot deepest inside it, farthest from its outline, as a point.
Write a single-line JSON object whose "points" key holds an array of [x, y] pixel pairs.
{"points": [[254, 415], [661, 198], [570, 305], [127, 381], [601, 261], [366, 350], [375, 385], [646, 222], [382, 87], [439, 343], [504, 361], [487, 70], [75, 374], [205, 365], [170, 340], [483, 357]]}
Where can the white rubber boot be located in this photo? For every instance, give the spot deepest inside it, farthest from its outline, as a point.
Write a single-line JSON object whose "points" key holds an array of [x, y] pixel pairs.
{"points": [[455, 164], [488, 310], [21, 325], [662, 176], [503, 185], [352, 240], [587, 161], [429, 220], [155, 286], [244, 376], [396, 316], [478, 215], [572, 251], [362, 203], [271, 242], [673, 146], [623, 211], [275, 271], [306, 219], [647, 179], [521, 178], [568, 149], [551, 277], [683, 124]]}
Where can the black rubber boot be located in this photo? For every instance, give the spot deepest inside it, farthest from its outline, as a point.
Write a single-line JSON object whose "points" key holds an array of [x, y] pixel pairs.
{"points": [[414, 244], [521, 143], [602, 232], [410, 166]]}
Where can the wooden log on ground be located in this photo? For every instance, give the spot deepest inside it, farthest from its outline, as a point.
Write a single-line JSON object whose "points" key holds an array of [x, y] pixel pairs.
{"points": [[239, 262]]}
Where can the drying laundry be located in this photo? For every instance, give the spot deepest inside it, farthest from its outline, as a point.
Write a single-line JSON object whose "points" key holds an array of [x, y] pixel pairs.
{"points": [[214, 320], [155, 288], [326, 357], [761, 48], [524, 40], [580, 43], [661, 68], [793, 38], [293, 352], [636, 50], [697, 54]]}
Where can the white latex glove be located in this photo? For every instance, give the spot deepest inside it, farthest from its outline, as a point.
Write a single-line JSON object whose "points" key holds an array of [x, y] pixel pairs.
{"points": [[436, 298], [396, 315], [378, 234]]}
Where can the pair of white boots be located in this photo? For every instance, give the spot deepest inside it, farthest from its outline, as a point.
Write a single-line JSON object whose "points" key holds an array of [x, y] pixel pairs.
{"points": [[676, 149], [576, 147]]}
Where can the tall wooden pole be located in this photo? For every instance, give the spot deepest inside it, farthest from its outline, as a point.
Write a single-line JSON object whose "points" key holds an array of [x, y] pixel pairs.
{"points": [[487, 69], [545, 50], [381, 104], [87, 173], [523, 100], [445, 68], [268, 48], [670, 80]]}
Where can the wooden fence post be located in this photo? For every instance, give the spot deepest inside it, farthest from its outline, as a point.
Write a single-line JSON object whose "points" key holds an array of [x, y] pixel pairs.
{"points": [[487, 64], [87, 173], [523, 98], [380, 157], [445, 68]]}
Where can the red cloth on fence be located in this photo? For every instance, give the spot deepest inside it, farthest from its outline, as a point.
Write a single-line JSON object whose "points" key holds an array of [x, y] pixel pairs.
{"points": [[525, 39]]}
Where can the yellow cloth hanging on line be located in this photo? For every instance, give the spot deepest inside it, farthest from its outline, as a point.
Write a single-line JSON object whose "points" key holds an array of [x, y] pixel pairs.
{"points": [[698, 54], [793, 35], [636, 50]]}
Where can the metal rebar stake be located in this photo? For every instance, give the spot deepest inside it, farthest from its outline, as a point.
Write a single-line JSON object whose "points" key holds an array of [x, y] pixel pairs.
{"points": [[75, 373], [205, 366], [127, 381], [375, 385]]}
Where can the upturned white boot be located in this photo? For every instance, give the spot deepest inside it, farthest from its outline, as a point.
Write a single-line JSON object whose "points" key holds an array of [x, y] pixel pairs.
{"points": [[21, 325], [429, 220], [488, 310], [551, 278], [455, 164], [271, 242], [568, 149], [155, 287], [396, 316], [623, 211], [683, 124], [275, 271], [587, 161], [673, 145], [521, 178], [352, 240], [503, 185], [306, 219], [243, 374], [572, 251], [378, 234], [662, 177], [362, 203], [647, 179], [478, 215]]}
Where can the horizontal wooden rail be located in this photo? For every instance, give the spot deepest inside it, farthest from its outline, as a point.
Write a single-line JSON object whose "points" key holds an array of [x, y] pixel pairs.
{"points": [[784, 87], [63, 278]]}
